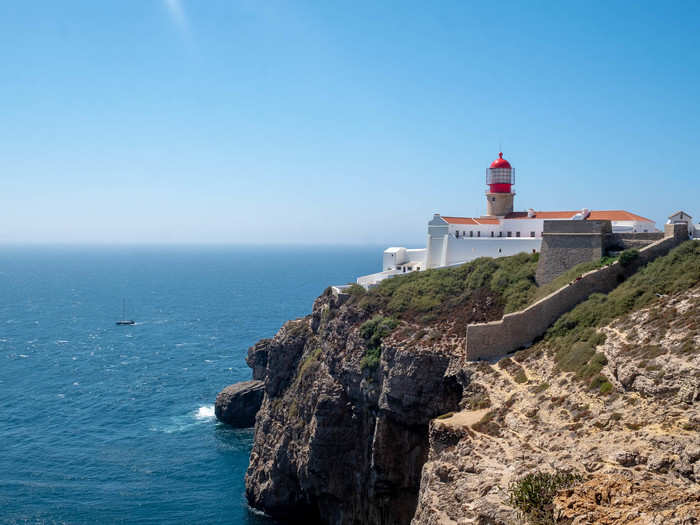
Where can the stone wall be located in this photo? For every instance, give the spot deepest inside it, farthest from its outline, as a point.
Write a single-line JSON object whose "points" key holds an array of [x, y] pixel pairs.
{"points": [[568, 243], [519, 329], [627, 241]]}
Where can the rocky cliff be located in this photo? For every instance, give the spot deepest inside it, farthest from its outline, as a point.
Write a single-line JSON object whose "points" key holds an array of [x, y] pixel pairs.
{"points": [[372, 415], [339, 438]]}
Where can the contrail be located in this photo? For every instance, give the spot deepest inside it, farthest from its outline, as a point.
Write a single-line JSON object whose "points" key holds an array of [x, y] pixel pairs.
{"points": [[177, 13]]}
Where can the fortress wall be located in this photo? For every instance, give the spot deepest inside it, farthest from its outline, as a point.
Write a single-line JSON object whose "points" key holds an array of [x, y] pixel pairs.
{"points": [[626, 241], [519, 329], [568, 243]]}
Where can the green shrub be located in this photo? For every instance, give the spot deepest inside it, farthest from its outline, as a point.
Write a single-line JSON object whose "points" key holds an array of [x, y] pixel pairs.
{"points": [[575, 358], [595, 364], [308, 366], [355, 290], [628, 257], [541, 388], [533, 494], [371, 358], [374, 330], [605, 388], [446, 416], [520, 376]]}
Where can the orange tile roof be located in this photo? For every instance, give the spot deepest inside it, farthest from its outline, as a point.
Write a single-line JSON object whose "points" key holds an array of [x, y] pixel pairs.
{"points": [[459, 220], [616, 215], [601, 215]]}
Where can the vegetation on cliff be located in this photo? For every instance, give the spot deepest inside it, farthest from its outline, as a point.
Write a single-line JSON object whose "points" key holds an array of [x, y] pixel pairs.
{"points": [[482, 290], [534, 494], [574, 337]]}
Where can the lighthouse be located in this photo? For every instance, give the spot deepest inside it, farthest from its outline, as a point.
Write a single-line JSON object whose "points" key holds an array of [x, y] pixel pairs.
{"points": [[500, 178]]}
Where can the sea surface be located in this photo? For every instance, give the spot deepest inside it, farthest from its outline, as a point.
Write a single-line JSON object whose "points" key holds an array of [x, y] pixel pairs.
{"points": [[108, 424]]}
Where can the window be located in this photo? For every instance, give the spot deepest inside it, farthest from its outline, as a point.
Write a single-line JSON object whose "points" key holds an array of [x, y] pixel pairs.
{"points": [[510, 234], [499, 250], [491, 234], [471, 233], [517, 234], [457, 234], [500, 234], [532, 234], [409, 268], [478, 234]]}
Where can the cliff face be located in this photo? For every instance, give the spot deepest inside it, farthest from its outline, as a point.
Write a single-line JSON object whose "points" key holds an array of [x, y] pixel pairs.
{"points": [[338, 440], [347, 434]]}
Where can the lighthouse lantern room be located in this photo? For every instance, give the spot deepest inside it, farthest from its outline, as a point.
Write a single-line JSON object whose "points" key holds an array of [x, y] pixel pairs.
{"points": [[500, 178]]}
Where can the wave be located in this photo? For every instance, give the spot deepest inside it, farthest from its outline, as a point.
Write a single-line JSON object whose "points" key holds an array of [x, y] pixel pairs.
{"points": [[205, 412]]}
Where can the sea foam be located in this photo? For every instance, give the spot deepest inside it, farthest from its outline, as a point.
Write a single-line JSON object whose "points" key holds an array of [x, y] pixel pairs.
{"points": [[205, 412]]}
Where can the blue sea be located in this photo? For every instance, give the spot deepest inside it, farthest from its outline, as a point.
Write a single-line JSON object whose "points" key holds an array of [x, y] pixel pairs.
{"points": [[115, 424]]}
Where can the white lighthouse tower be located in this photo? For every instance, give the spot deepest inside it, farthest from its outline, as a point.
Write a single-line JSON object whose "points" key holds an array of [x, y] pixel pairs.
{"points": [[500, 177]]}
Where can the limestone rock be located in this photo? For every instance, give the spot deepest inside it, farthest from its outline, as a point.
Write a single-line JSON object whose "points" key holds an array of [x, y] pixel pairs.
{"points": [[237, 404], [614, 500]]}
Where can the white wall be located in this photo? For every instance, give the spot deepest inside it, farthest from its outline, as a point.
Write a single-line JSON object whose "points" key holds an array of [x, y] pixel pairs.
{"points": [[515, 226], [467, 249], [633, 226], [394, 257]]}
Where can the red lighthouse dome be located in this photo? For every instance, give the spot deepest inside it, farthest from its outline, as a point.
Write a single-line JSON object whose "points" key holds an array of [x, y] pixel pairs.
{"points": [[500, 176], [500, 162]]}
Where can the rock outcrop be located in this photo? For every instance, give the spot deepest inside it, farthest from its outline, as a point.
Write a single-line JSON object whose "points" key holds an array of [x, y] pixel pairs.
{"points": [[616, 500], [238, 404], [338, 440]]}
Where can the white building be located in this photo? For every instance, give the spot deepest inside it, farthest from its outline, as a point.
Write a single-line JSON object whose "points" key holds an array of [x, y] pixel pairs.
{"points": [[456, 240], [683, 217]]}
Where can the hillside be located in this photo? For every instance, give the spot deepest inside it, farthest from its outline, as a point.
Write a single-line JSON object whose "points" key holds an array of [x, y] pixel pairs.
{"points": [[372, 415], [610, 393]]}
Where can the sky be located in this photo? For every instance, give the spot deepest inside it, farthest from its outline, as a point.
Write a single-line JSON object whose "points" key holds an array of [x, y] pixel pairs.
{"points": [[336, 122]]}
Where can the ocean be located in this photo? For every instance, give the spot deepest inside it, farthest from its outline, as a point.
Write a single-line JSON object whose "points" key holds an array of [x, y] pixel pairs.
{"points": [[105, 424]]}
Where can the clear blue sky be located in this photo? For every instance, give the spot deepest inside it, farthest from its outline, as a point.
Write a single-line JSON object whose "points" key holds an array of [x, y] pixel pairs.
{"points": [[336, 122]]}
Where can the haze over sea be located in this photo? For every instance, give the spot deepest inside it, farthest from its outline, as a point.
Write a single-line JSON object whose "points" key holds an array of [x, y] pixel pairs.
{"points": [[115, 424]]}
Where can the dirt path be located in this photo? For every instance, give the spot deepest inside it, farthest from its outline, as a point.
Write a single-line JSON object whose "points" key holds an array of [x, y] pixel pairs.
{"points": [[465, 418]]}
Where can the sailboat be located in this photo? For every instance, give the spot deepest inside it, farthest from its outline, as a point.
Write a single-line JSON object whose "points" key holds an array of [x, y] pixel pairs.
{"points": [[124, 320]]}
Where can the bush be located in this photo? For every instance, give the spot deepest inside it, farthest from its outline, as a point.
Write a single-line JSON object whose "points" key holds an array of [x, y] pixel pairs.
{"points": [[628, 257], [355, 290], [605, 388], [533, 494], [374, 330], [371, 358]]}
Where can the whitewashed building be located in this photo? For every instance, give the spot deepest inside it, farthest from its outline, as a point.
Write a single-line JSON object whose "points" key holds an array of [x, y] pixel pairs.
{"points": [[683, 217], [501, 232]]}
